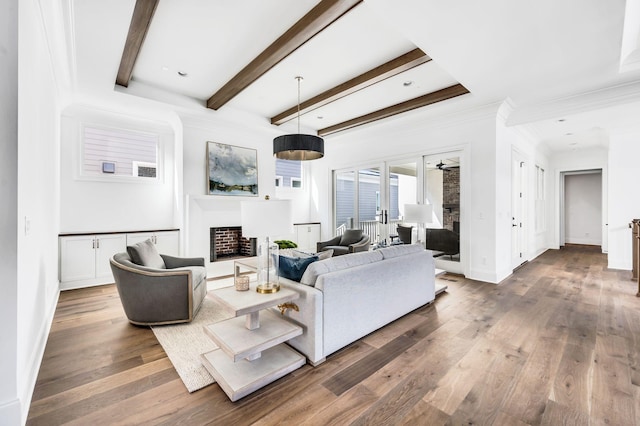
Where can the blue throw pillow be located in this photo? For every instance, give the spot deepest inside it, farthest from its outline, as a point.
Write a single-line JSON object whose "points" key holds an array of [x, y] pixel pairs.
{"points": [[293, 267]]}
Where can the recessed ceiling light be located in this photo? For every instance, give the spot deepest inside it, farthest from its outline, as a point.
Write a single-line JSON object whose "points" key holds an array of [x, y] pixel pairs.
{"points": [[569, 134], [573, 143], [165, 68], [320, 117], [182, 74], [407, 83], [562, 120]]}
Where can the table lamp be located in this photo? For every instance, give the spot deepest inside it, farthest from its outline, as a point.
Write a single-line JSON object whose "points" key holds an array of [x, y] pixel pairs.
{"points": [[418, 214], [263, 220]]}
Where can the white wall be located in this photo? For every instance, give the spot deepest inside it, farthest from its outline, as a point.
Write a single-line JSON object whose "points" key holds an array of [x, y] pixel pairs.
{"points": [[583, 208], [205, 211], [38, 197], [10, 403], [105, 206], [623, 202]]}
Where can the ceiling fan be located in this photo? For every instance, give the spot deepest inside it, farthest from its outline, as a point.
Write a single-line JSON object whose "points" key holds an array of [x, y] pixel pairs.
{"points": [[441, 166], [444, 167]]}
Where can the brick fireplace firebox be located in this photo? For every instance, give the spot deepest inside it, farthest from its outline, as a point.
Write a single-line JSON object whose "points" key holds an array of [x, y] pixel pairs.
{"points": [[228, 243]]}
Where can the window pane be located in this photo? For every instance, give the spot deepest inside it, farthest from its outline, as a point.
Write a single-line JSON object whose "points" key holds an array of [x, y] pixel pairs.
{"points": [[345, 196], [119, 152], [288, 169]]}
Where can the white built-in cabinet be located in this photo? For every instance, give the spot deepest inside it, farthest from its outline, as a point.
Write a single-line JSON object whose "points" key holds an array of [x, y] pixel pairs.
{"points": [[166, 242], [84, 258], [307, 236]]}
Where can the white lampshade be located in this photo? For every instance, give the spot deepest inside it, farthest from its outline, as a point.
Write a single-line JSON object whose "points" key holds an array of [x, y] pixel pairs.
{"points": [[418, 213], [266, 218]]}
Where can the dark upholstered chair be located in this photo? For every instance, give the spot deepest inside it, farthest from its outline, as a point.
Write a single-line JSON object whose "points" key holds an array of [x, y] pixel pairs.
{"points": [[155, 296], [404, 233], [443, 241], [352, 241]]}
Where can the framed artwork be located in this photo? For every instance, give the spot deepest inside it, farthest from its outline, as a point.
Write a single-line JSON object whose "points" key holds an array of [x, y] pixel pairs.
{"points": [[231, 170]]}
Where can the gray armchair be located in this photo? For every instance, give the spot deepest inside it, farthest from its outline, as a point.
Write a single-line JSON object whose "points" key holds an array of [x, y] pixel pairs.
{"points": [[352, 241], [404, 233], [442, 242], [156, 295]]}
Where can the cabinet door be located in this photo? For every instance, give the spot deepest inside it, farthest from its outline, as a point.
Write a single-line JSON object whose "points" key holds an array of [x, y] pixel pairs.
{"points": [[307, 237], [168, 242], [107, 246], [77, 258], [139, 237]]}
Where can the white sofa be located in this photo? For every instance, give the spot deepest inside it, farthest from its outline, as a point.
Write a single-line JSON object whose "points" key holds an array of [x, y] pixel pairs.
{"points": [[347, 297]]}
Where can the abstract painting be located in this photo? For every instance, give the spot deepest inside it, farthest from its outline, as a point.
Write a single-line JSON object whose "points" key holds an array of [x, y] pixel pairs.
{"points": [[231, 170]]}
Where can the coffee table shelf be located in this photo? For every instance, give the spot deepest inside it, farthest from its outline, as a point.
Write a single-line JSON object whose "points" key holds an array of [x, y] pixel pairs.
{"points": [[239, 379], [238, 342]]}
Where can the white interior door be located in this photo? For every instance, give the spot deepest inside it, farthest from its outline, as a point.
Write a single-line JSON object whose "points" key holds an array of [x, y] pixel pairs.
{"points": [[518, 182]]}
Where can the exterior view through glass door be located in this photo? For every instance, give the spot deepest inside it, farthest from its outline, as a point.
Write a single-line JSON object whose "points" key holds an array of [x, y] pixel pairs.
{"points": [[374, 202], [442, 191], [357, 201]]}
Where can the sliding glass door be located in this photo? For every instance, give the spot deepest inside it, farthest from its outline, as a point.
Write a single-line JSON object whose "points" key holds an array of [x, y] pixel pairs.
{"points": [[373, 198], [442, 191]]}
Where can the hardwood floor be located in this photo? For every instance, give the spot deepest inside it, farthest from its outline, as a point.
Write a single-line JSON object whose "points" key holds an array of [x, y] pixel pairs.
{"points": [[556, 343]]}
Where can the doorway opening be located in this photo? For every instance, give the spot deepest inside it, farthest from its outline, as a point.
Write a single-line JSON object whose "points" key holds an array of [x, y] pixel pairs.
{"points": [[581, 208]]}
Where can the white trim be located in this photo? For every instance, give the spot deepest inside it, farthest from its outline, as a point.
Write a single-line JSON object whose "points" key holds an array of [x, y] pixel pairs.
{"points": [[296, 179]]}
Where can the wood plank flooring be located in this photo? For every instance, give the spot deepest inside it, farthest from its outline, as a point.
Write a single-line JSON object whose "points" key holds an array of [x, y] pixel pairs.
{"points": [[556, 343]]}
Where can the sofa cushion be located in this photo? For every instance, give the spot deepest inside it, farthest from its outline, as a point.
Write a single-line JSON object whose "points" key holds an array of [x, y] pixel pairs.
{"points": [[293, 267], [294, 253], [350, 236], [338, 263], [325, 254], [144, 253], [399, 250], [337, 250]]}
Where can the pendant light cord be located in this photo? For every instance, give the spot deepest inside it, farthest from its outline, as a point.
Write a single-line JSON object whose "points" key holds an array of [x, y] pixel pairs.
{"points": [[298, 78]]}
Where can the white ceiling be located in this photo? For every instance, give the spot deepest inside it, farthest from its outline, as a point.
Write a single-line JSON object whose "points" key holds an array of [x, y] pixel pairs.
{"points": [[534, 53]]}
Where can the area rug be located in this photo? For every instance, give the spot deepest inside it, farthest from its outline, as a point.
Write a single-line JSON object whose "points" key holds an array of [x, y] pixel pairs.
{"points": [[184, 343]]}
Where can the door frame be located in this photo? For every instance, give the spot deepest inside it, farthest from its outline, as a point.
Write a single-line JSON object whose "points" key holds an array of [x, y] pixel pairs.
{"points": [[561, 205]]}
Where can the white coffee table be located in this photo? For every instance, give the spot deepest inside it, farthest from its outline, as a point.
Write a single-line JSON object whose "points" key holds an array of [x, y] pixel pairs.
{"points": [[251, 350]]}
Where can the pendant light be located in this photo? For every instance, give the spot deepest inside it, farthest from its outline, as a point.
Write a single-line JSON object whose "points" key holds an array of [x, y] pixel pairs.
{"points": [[298, 146]]}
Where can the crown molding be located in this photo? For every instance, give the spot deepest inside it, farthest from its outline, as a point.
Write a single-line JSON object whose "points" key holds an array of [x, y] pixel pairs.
{"points": [[575, 104]]}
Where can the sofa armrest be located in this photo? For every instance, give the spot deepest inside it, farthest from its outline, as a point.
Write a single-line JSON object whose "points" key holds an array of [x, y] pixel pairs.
{"points": [[332, 242], [309, 317], [172, 262]]}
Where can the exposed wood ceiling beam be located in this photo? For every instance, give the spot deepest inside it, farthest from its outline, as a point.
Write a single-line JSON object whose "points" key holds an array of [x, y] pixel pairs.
{"points": [[393, 67], [428, 99], [140, 21], [320, 17]]}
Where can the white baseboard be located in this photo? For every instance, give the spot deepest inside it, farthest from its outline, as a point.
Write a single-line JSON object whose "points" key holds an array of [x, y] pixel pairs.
{"points": [[10, 413], [36, 358]]}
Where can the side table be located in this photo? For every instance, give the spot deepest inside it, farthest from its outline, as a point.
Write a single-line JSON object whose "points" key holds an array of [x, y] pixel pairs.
{"points": [[251, 350]]}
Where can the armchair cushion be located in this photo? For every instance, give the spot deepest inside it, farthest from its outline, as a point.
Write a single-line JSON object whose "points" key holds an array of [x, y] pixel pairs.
{"points": [[144, 253]]}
